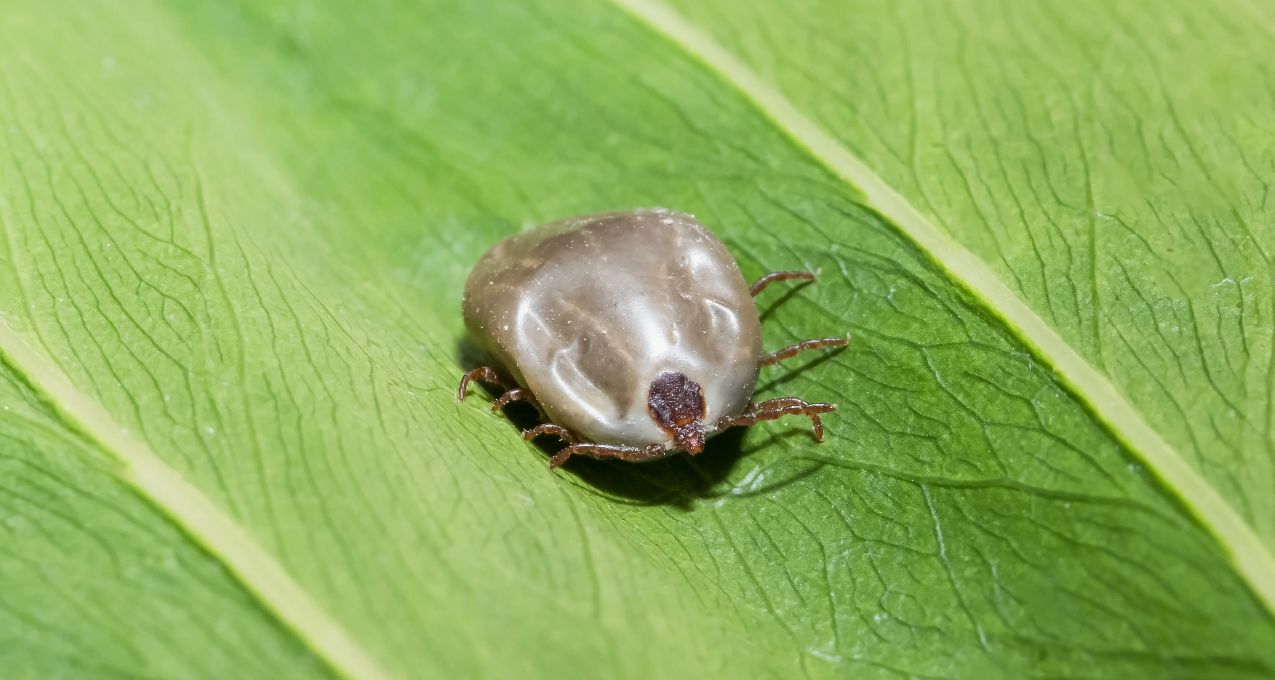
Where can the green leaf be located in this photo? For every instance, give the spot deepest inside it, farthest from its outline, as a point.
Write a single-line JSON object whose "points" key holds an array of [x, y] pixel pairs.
{"points": [[235, 236], [1110, 180]]}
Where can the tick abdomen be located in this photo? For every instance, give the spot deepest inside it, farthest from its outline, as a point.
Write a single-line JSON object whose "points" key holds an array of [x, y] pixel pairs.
{"points": [[586, 313]]}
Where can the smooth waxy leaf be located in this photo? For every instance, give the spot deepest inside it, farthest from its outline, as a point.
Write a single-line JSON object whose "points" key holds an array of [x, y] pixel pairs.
{"points": [[235, 238]]}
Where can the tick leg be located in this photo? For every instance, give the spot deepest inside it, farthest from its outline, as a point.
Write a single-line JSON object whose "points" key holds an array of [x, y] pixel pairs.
{"points": [[549, 428], [516, 394], [774, 409], [777, 402], [630, 454], [511, 394], [793, 350], [760, 284], [484, 374]]}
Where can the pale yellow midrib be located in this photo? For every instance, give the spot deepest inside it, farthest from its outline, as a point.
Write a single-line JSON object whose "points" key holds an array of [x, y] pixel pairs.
{"points": [[1250, 557], [190, 509]]}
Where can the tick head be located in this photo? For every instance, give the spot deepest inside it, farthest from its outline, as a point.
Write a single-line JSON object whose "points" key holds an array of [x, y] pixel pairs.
{"points": [[677, 404]]}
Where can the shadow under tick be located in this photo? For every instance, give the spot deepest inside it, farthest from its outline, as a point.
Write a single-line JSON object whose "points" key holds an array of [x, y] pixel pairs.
{"points": [[765, 315], [677, 481], [469, 354], [792, 373]]}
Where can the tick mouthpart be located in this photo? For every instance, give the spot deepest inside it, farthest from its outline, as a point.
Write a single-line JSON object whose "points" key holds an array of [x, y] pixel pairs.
{"points": [[690, 438], [677, 404]]}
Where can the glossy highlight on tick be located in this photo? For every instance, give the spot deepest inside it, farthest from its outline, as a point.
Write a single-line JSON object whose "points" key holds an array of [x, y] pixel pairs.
{"points": [[633, 334]]}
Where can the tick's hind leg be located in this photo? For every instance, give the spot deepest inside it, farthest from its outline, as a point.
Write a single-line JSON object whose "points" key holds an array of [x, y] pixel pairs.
{"points": [[760, 284], [516, 394], [482, 374], [629, 454], [793, 350], [774, 409], [511, 393], [558, 431]]}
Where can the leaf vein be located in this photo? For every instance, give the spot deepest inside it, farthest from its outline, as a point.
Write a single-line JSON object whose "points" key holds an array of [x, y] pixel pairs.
{"points": [[1252, 560]]}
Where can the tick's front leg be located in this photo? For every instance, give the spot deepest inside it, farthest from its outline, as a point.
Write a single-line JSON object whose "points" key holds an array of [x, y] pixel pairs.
{"points": [[629, 454], [485, 374], [774, 409]]}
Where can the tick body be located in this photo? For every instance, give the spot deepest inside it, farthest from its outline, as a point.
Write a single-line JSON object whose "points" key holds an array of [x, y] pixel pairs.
{"points": [[634, 333]]}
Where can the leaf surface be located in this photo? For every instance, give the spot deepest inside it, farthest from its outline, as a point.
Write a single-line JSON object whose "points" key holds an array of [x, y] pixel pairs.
{"points": [[1115, 174], [235, 239]]}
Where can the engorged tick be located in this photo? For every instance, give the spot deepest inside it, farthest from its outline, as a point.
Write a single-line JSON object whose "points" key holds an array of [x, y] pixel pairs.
{"points": [[633, 333]]}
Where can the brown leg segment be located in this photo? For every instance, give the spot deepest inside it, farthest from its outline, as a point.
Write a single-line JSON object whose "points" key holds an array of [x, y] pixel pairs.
{"points": [[774, 409], [629, 454], [793, 350], [549, 429], [760, 284], [512, 392], [777, 402], [516, 394], [482, 373]]}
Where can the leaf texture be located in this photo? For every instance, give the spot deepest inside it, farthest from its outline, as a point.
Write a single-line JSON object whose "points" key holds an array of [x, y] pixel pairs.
{"points": [[1115, 173], [239, 231]]}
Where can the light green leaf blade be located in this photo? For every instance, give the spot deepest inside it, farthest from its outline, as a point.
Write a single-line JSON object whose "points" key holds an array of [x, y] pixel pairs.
{"points": [[97, 585], [240, 233], [1114, 172]]}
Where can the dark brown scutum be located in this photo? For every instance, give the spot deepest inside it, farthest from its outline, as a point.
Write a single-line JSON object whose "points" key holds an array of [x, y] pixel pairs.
{"points": [[675, 401], [677, 404]]}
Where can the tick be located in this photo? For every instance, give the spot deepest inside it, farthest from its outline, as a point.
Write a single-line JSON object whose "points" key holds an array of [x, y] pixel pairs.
{"points": [[633, 333]]}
